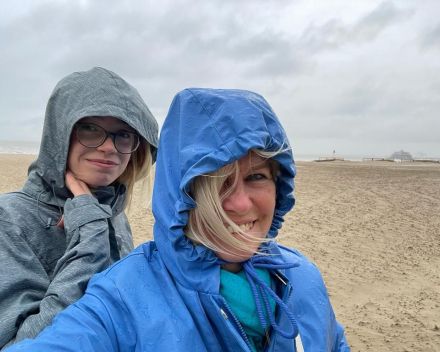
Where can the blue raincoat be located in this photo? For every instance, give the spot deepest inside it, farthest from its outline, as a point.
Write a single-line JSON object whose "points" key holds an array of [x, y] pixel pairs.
{"points": [[164, 296]]}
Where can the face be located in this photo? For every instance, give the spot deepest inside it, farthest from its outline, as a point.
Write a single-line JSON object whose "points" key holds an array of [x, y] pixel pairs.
{"points": [[250, 205], [102, 165]]}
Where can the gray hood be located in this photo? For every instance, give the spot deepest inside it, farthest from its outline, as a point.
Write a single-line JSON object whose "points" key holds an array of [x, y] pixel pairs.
{"points": [[97, 92]]}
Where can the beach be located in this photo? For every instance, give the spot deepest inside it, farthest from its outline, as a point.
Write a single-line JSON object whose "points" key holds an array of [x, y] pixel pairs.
{"points": [[372, 228]]}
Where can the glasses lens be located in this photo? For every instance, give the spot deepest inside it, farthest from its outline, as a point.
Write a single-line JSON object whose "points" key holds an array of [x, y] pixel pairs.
{"points": [[126, 142], [90, 135]]}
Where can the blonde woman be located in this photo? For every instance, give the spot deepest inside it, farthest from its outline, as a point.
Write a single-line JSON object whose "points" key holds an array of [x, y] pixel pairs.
{"points": [[214, 278], [68, 221]]}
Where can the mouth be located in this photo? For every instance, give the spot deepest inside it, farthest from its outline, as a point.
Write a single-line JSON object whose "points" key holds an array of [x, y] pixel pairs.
{"points": [[244, 227], [102, 162]]}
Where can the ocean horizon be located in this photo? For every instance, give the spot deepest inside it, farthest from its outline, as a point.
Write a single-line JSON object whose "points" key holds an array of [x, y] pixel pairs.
{"points": [[21, 147]]}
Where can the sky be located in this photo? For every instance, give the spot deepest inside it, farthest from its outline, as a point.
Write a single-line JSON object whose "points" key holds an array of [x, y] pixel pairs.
{"points": [[361, 77]]}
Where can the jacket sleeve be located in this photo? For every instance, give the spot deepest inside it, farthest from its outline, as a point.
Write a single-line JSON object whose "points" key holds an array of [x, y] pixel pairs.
{"points": [[99, 321], [323, 330], [88, 252], [341, 342], [23, 281], [318, 327]]}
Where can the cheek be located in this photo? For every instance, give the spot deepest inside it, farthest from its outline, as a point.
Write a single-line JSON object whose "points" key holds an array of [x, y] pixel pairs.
{"points": [[125, 159], [268, 208], [72, 156], [269, 200]]}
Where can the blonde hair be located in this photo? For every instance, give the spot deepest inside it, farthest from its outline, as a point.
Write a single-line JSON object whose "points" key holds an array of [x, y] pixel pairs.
{"points": [[209, 217], [139, 168]]}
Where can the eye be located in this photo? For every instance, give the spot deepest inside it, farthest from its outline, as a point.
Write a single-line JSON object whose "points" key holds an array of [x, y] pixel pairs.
{"points": [[256, 177], [88, 127], [125, 135]]}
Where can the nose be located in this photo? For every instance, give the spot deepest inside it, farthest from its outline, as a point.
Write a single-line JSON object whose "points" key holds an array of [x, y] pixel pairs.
{"points": [[238, 201], [108, 147]]}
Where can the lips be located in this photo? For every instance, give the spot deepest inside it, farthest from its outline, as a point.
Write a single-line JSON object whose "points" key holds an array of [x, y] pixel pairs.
{"points": [[102, 162], [244, 227]]}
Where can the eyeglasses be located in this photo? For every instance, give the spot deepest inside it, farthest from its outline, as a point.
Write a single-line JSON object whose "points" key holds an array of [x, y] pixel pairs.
{"points": [[93, 136]]}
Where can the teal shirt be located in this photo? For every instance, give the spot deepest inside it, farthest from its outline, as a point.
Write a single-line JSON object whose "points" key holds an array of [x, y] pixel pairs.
{"points": [[236, 290]]}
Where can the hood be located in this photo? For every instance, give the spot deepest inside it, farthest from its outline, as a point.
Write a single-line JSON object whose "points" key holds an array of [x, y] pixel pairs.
{"points": [[97, 92], [205, 130]]}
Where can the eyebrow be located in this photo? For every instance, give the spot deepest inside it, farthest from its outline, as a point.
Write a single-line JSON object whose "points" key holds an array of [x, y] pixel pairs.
{"points": [[259, 166], [119, 124]]}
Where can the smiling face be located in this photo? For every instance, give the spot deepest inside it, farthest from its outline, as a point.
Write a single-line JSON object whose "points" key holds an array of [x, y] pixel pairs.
{"points": [[235, 208], [99, 166], [250, 204]]}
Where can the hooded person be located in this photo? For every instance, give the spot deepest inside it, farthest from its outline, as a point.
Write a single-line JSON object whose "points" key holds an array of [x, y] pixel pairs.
{"points": [[214, 278], [68, 221]]}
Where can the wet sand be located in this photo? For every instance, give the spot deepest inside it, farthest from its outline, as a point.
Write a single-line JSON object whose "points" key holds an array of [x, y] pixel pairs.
{"points": [[372, 228]]}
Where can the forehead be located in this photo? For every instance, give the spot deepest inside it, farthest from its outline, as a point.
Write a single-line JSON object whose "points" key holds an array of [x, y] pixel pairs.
{"points": [[107, 122], [252, 161]]}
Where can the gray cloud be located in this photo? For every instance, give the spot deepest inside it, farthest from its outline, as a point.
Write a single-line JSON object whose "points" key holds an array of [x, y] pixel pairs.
{"points": [[351, 77], [334, 33], [431, 39]]}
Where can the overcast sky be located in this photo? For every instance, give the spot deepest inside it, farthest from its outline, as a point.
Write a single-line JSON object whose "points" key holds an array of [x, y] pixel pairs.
{"points": [[361, 77]]}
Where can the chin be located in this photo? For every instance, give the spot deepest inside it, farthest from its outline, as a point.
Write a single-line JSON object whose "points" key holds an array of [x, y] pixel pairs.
{"points": [[235, 258], [99, 183]]}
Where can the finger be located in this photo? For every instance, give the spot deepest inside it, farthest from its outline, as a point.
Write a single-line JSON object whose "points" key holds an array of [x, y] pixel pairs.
{"points": [[75, 185], [69, 179], [84, 186]]}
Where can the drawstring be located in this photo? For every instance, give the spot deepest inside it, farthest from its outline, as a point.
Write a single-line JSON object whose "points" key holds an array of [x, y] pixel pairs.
{"points": [[257, 284], [48, 222], [265, 262]]}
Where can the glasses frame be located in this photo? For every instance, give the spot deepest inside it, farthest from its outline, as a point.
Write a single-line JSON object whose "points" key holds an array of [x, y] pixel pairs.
{"points": [[107, 133]]}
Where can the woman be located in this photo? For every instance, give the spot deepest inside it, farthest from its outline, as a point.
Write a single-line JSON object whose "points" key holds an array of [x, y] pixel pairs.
{"points": [[68, 221], [214, 279]]}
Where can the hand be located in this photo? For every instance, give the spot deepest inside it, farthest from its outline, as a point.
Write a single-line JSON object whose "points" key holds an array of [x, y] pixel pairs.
{"points": [[76, 186]]}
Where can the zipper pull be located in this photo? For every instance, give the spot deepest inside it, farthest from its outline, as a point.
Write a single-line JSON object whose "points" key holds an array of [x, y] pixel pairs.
{"points": [[279, 278], [267, 336], [223, 313]]}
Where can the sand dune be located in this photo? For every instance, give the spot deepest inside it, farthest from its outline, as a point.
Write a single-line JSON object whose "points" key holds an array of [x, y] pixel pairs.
{"points": [[372, 228]]}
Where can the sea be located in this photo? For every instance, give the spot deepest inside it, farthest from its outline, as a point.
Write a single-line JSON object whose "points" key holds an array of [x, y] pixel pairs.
{"points": [[18, 147]]}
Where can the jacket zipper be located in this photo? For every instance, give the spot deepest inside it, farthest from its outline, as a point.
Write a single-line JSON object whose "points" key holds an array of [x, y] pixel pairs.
{"points": [[241, 331]]}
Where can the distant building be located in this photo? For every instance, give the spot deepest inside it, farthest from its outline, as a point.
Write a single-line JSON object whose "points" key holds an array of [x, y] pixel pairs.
{"points": [[401, 155]]}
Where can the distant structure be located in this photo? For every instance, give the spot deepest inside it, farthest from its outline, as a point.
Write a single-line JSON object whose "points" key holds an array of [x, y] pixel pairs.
{"points": [[330, 158], [399, 157], [402, 155]]}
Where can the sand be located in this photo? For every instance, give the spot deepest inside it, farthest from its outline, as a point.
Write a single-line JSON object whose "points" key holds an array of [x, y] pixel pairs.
{"points": [[373, 229]]}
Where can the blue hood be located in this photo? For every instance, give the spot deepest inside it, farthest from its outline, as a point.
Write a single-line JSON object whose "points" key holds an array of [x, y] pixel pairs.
{"points": [[205, 130]]}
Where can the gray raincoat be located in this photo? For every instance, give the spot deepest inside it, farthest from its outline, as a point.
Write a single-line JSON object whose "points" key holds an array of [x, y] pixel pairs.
{"points": [[44, 268]]}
